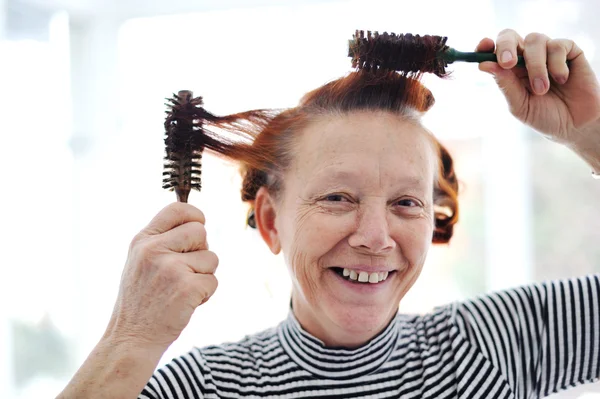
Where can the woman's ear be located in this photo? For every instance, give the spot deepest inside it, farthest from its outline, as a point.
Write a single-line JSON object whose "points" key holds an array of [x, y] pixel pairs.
{"points": [[265, 214]]}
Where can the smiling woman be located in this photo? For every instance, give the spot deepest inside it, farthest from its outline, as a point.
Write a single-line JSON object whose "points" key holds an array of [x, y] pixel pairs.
{"points": [[353, 190], [363, 183], [365, 178]]}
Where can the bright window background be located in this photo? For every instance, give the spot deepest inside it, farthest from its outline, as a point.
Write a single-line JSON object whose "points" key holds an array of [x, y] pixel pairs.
{"points": [[82, 111]]}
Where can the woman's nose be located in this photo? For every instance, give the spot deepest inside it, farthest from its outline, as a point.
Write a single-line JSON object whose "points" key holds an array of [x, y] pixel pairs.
{"points": [[372, 231]]}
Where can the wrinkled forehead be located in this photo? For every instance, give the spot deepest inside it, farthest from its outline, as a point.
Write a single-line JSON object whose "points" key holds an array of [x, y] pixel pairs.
{"points": [[345, 143]]}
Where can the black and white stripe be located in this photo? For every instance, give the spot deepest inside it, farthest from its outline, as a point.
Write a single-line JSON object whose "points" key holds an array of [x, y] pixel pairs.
{"points": [[526, 342]]}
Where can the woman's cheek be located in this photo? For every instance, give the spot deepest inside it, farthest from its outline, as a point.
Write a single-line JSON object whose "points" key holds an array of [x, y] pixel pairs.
{"points": [[319, 222], [305, 274], [316, 234], [414, 237]]}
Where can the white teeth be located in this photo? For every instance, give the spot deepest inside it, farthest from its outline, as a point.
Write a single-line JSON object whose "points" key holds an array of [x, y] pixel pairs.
{"points": [[374, 278], [364, 277]]}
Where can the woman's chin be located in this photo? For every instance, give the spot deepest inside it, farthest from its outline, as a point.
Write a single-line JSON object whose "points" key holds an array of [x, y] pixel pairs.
{"points": [[360, 307], [365, 320]]}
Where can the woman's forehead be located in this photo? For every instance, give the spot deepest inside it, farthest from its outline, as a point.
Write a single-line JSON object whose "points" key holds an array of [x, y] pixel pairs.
{"points": [[365, 140]]}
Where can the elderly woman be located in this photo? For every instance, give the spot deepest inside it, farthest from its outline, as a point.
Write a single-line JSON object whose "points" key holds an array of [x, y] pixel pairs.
{"points": [[353, 190]]}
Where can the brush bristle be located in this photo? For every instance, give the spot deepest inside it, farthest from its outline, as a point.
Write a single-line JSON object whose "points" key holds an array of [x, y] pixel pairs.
{"points": [[184, 144], [405, 53]]}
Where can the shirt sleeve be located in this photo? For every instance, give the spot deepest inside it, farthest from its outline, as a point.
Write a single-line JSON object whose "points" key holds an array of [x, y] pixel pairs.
{"points": [[543, 338], [183, 377]]}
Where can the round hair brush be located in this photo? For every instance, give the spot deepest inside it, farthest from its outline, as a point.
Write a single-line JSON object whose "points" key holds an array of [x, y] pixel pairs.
{"points": [[184, 144], [409, 54]]}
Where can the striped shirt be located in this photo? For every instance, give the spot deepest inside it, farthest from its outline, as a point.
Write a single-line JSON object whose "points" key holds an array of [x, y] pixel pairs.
{"points": [[527, 342]]}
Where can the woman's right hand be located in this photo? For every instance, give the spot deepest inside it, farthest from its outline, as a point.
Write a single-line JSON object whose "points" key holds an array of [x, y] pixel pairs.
{"points": [[168, 274]]}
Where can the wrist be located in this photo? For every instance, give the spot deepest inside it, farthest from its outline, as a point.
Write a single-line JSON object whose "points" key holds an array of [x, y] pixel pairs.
{"points": [[586, 144], [117, 334], [130, 349], [116, 368], [127, 361], [132, 344]]}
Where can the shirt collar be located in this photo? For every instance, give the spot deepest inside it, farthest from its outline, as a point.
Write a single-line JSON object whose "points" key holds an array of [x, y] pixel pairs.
{"points": [[312, 355]]}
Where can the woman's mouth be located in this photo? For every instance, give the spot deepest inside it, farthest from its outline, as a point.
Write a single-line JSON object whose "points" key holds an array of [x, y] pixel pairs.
{"points": [[362, 277]]}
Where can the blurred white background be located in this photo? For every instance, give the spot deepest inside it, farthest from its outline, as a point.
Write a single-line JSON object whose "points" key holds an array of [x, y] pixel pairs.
{"points": [[82, 84]]}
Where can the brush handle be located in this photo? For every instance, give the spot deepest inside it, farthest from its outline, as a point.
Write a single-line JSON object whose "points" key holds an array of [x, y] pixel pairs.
{"points": [[452, 55]]}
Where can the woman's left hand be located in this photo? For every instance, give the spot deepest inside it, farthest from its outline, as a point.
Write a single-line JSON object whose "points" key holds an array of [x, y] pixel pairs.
{"points": [[562, 102]]}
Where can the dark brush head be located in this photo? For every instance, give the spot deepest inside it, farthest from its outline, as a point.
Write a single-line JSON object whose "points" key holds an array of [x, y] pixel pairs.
{"points": [[405, 53], [184, 143]]}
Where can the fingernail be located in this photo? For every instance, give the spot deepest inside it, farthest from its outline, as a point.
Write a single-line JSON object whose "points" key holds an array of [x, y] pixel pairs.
{"points": [[561, 79], [506, 57], [538, 85]]}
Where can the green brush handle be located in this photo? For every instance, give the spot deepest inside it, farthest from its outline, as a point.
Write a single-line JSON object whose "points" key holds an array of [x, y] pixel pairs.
{"points": [[452, 55]]}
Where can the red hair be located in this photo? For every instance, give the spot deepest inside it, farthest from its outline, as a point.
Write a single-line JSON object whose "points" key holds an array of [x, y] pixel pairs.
{"points": [[263, 140]]}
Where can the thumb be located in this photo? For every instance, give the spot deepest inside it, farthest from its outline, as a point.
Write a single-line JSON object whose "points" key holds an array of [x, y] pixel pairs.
{"points": [[514, 91]]}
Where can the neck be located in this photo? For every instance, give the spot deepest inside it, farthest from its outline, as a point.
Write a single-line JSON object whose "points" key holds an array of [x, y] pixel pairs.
{"points": [[320, 326]]}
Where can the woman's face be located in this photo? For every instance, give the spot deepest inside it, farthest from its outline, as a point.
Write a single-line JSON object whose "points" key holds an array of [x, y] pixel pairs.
{"points": [[357, 204]]}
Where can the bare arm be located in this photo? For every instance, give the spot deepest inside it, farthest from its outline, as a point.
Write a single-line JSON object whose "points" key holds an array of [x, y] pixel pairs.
{"points": [[169, 273], [116, 370], [587, 146]]}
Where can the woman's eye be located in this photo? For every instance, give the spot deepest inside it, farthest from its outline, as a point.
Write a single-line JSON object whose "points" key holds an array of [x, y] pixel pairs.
{"points": [[407, 202], [335, 198]]}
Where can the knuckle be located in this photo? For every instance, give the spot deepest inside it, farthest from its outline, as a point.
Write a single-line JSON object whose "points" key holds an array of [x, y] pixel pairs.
{"points": [[507, 38], [187, 212], [145, 253], [198, 228], [210, 282], [507, 32], [214, 283], [177, 206], [503, 45], [535, 66], [559, 72], [201, 216], [184, 234], [554, 45], [216, 260], [189, 228], [139, 237], [208, 290], [213, 260], [536, 69], [535, 37], [562, 46], [194, 232], [145, 250], [177, 210]]}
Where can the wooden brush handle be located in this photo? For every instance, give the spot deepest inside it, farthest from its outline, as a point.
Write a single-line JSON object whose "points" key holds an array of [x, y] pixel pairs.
{"points": [[185, 95]]}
